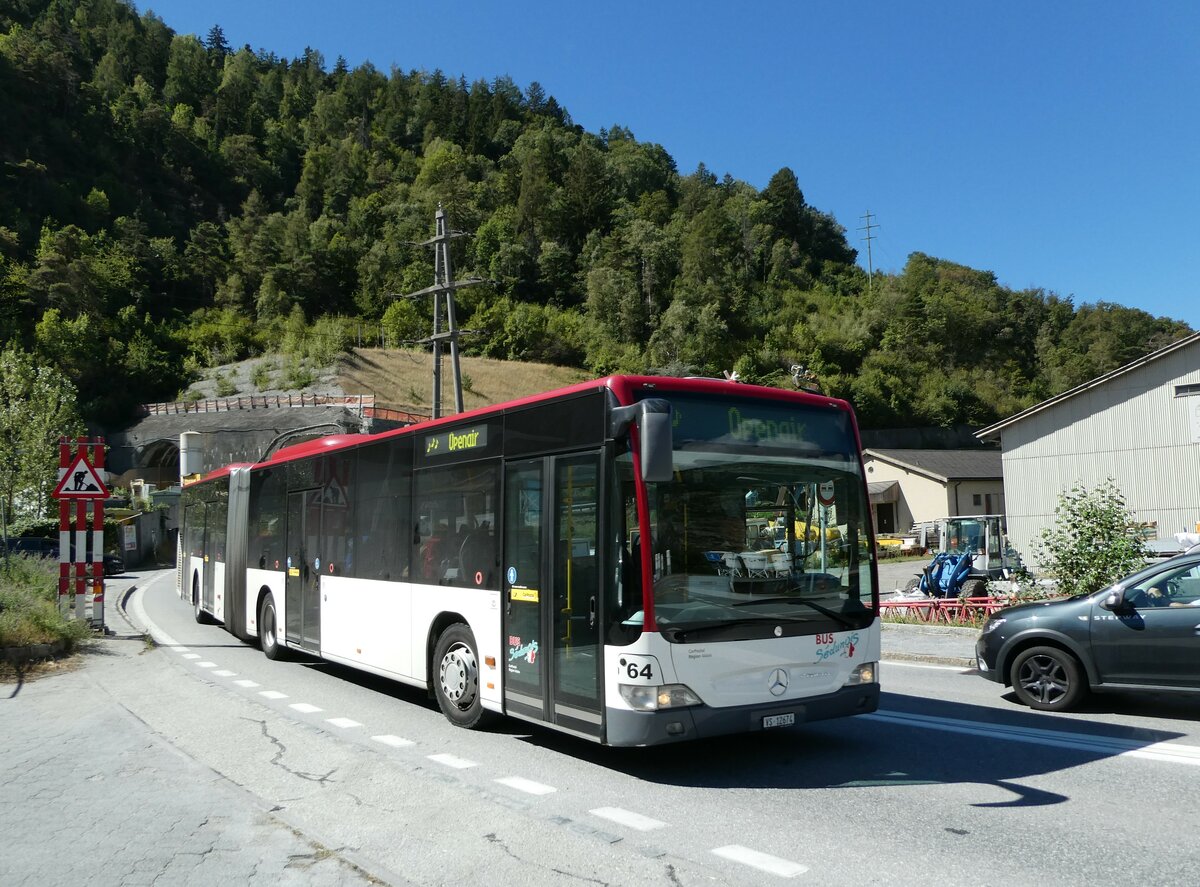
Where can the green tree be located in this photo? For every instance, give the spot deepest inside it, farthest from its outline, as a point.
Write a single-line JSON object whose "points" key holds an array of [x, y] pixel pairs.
{"points": [[1092, 541], [37, 407]]}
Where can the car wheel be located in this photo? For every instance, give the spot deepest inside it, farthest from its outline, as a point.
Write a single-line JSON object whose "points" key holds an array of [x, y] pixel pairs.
{"points": [[456, 677], [1047, 679], [268, 627]]}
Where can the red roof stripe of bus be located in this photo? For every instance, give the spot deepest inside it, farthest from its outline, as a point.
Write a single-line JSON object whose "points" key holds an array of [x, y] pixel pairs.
{"points": [[625, 388]]}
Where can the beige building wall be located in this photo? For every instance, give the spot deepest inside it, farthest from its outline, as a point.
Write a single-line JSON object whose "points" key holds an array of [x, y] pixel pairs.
{"points": [[924, 498]]}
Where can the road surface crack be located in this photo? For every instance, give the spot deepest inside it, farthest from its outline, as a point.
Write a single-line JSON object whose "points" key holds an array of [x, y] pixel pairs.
{"points": [[281, 750]]}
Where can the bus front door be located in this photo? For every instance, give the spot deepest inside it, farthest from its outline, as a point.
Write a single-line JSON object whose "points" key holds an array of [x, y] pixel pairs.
{"points": [[552, 592]]}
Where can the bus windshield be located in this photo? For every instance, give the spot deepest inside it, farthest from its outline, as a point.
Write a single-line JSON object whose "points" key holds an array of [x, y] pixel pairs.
{"points": [[764, 529]]}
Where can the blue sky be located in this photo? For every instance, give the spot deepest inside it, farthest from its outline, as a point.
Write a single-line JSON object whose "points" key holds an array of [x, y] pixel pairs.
{"points": [[1056, 144]]}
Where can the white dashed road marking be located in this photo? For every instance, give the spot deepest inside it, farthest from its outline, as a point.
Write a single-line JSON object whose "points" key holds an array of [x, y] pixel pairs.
{"points": [[191, 655], [452, 761], [247, 684], [344, 723], [205, 665], [628, 818], [225, 673], [304, 708], [273, 694], [393, 741], [764, 862], [526, 785]]}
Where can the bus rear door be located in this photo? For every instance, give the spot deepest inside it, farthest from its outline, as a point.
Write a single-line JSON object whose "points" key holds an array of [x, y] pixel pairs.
{"points": [[302, 583]]}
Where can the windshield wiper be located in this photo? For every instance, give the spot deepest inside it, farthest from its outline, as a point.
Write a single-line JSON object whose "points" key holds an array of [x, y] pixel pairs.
{"points": [[683, 633], [832, 614]]}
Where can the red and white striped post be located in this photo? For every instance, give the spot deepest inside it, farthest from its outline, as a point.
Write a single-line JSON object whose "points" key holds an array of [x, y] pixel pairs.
{"points": [[81, 479], [98, 541]]}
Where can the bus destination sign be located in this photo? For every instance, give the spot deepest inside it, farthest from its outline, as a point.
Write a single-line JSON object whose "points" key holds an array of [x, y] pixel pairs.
{"points": [[459, 441]]}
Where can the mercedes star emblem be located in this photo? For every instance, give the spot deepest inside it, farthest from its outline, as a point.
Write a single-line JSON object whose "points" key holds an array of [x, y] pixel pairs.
{"points": [[778, 682]]}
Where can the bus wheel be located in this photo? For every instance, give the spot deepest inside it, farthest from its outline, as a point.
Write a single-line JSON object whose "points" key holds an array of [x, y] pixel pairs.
{"points": [[267, 628], [456, 678], [198, 611]]}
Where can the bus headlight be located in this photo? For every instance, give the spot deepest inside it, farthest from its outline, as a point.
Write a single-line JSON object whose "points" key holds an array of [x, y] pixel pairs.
{"points": [[644, 698], [864, 674]]}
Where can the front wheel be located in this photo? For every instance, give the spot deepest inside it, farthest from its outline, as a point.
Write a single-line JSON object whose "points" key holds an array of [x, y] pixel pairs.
{"points": [[456, 677], [1047, 679], [974, 588], [268, 627]]}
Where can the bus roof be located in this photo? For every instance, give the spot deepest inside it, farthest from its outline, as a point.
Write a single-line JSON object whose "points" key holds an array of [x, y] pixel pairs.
{"points": [[625, 388]]}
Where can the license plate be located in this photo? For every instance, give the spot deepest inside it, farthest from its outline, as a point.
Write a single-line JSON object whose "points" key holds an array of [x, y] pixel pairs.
{"points": [[779, 720]]}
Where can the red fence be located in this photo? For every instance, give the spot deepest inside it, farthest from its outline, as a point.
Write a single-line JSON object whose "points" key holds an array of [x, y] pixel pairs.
{"points": [[946, 611]]}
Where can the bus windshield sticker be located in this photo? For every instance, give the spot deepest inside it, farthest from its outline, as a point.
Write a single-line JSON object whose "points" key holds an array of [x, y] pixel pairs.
{"points": [[449, 442]]}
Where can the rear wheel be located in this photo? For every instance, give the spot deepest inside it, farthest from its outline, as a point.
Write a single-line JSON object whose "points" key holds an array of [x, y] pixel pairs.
{"points": [[456, 676], [268, 626], [1047, 679], [197, 611]]}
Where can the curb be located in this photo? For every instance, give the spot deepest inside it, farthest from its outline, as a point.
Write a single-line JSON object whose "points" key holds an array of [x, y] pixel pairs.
{"points": [[929, 659]]}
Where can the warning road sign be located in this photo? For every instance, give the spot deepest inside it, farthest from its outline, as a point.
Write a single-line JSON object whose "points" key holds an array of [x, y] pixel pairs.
{"points": [[81, 482]]}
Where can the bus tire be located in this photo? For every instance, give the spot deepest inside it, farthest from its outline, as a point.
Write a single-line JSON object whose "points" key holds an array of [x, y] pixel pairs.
{"points": [[197, 611], [456, 677], [268, 629]]}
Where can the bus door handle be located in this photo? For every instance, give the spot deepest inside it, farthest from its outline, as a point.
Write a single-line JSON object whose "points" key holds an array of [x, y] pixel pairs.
{"points": [[592, 612]]}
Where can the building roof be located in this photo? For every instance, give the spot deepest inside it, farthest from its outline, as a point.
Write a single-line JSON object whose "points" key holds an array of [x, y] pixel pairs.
{"points": [[944, 465], [993, 430]]}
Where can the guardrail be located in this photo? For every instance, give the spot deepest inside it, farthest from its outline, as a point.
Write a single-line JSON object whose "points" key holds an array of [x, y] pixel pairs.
{"points": [[947, 611], [364, 404], [360, 402]]}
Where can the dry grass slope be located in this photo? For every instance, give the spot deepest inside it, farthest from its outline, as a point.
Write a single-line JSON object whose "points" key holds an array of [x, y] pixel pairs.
{"points": [[402, 379]]}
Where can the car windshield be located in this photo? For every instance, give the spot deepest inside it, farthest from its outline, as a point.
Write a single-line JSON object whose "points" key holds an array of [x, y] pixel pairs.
{"points": [[763, 530]]}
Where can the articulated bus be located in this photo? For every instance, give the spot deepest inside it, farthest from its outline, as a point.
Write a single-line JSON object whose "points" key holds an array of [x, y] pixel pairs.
{"points": [[588, 559]]}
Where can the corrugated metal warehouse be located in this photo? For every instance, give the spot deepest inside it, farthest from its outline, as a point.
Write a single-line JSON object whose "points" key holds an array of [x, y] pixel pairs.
{"points": [[1139, 425]]}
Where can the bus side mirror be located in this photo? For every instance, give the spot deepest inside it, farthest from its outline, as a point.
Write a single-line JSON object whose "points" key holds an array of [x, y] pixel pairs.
{"points": [[653, 418]]}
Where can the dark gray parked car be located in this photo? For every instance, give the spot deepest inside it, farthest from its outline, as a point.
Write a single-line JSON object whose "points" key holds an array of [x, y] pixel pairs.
{"points": [[33, 546], [1140, 633]]}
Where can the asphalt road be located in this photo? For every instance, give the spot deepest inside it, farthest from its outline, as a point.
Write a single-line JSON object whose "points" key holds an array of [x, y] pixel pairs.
{"points": [[949, 783]]}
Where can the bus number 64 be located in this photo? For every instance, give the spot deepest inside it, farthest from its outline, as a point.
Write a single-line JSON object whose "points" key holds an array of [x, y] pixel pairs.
{"points": [[638, 668]]}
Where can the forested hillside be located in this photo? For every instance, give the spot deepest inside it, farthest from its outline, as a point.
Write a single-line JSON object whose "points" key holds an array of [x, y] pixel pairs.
{"points": [[169, 202]]}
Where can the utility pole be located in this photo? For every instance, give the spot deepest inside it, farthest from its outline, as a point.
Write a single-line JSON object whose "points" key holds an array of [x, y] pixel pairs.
{"points": [[868, 227], [443, 302]]}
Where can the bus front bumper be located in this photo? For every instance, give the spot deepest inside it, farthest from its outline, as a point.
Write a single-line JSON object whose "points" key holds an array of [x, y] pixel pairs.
{"points": [[624, 727]]}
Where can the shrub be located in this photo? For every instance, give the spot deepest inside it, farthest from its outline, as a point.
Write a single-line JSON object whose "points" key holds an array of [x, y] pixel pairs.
{"points": [[225, 386], [296, 375], [1090, 543], [261, 376], [29, 605]]}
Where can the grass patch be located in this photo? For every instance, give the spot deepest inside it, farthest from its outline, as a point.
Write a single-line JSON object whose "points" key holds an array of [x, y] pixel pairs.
{"points": [[400, 378], [29, 606]]}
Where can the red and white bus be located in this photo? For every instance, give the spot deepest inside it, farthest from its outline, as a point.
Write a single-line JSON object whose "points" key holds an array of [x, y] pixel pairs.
{"points": [[593, 559]]}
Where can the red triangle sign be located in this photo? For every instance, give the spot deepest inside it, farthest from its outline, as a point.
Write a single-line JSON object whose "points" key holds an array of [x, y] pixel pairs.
{"points": [[81, 482]]}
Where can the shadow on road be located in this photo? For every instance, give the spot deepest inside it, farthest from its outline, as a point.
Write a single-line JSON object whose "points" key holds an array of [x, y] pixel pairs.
{"points": [[880, 752]]}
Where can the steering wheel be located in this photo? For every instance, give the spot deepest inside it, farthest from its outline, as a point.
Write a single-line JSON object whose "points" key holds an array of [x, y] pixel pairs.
{"points": [[1163, 598]]}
